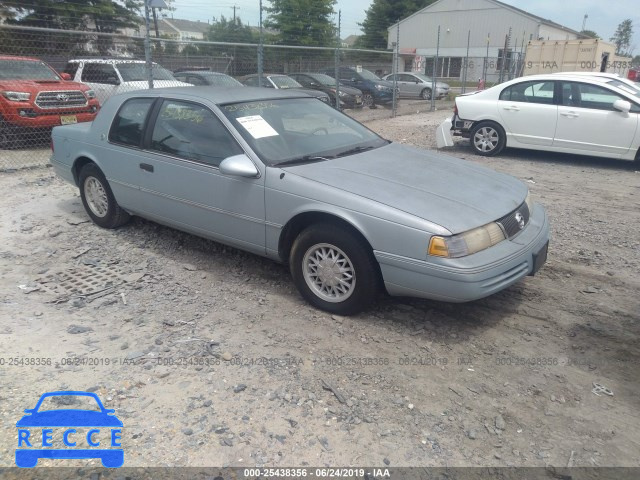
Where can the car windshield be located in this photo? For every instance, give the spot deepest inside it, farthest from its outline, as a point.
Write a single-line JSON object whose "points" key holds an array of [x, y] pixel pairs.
{"points": [[282, 81], [324, 79], [67, 402], [625, 86], [293, 130], [26, 70], [368, 75], [222, 81], [137, 72]]}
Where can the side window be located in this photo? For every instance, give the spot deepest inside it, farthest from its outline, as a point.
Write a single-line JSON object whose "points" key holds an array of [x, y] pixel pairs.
{"points": [[99, 73], [195, 80], [529, 92], [128, 124], [591, 96], [406, 78], [193, 132]]}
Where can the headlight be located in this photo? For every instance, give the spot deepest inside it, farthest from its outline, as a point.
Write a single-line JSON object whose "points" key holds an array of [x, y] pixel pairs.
{"points": [[466, 243], [90, 94], [16, 96], [343, 94], [529, 203], [383, 88]]}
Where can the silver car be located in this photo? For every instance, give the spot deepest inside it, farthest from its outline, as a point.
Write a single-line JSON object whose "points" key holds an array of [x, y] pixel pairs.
{"points": [[418, 85], [279, 174]]}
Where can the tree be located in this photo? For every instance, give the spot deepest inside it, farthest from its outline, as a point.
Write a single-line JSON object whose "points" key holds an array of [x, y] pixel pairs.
{"points": [[589, 33], [302, 22], [636, 61], [231, 30], [381, 15], [622, 37]]}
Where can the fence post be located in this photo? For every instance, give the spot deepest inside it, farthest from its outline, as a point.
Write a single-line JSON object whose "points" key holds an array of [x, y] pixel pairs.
{"points": [[466, 64], [260, 51], [435, 72], [394, 70], [147, 45], [337, 63]]}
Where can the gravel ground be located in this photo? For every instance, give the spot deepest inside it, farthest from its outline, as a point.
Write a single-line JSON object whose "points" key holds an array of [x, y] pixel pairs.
{"points": [[210, 357]]}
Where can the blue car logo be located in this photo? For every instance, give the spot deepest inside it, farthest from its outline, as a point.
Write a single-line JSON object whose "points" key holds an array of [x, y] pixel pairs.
{"points": [[37, 438]]}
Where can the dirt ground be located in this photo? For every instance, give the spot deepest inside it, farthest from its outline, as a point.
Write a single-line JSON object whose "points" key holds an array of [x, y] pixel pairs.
{"points": [[211, 358]]}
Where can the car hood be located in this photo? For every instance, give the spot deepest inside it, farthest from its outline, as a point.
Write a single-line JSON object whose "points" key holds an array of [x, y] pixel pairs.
{"points": [[69, 418], [453, 193], [349, 90], [144, 84], [41, 85]]}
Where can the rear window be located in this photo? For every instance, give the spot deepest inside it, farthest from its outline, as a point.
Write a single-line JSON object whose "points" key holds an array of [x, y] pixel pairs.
{"points": [[128, 125]]}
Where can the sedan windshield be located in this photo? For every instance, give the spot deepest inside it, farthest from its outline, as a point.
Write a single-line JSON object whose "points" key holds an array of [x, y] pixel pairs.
{"points": [[282, 81], [324, 79], [222, 81], [137, 72], [625, 86], [26, 70], [298, 130], [368, 75]]}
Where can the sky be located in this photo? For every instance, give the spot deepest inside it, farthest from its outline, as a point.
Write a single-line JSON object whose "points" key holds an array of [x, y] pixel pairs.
{"points": [[603, 16]]}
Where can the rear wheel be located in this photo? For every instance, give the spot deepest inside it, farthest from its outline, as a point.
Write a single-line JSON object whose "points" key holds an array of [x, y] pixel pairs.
{"points": [[333, 269], [426, 94], [98, 199], [487, 138]]}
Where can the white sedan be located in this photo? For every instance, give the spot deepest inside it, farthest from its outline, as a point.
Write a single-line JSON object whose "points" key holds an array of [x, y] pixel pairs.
{"points": [[560, 113]]}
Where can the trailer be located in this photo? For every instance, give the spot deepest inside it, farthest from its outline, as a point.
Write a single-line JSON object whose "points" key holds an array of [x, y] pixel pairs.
{"points": [[586, 55]]}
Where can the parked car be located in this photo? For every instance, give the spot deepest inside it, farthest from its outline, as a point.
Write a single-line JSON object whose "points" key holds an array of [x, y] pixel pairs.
{"points": [[279, 174], [560, 113], [110, 76], [34, 98], [412, 85], [214, 79], [282, 82], [375, 91], [349, 97]]}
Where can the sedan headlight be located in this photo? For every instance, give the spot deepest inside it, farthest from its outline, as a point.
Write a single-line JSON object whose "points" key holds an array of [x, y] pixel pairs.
{"points": [[466, 243], [343, 94], [16, 96], [90, 94], [383, 88]]}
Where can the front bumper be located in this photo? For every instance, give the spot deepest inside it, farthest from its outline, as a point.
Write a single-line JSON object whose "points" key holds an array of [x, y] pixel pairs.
{"points": [[473, 277], [34, 119], [443, 134]]}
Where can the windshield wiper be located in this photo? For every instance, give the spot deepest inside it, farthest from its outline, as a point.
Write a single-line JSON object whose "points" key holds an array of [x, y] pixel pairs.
{"points": [[353, 150], [301, 160]]}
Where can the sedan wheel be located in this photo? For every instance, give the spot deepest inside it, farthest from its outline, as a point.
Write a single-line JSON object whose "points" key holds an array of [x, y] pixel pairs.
{"points": [[487, 139], [98, 200], [334, 270], [426, 94], [367, 100]]}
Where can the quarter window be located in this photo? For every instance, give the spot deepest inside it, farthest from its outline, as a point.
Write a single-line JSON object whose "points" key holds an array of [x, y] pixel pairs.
{"points": [[529, 92], [193, 132], [128, 124]]}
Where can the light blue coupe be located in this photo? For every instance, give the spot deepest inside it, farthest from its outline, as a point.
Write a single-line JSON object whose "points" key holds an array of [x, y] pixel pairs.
{"points": [[287, 177]]}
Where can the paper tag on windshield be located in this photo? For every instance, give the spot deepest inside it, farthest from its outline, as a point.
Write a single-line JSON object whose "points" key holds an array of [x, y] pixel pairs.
{"points": [[257, 126]]}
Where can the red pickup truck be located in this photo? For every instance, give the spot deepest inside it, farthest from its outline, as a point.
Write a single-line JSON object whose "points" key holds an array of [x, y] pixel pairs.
{"points": [[34, 98]]}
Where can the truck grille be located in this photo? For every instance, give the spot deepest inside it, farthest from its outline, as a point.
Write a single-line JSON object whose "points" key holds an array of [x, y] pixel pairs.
{"points": [[515, 221], [61, 99]]}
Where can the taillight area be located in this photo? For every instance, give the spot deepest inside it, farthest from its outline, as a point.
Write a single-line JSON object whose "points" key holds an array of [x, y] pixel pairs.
{"points": [[52, 150], [455, 108]]}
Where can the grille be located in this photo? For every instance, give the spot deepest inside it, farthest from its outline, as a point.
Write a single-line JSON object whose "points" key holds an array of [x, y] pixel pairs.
{"points": [[512, 222], [64, 99]]}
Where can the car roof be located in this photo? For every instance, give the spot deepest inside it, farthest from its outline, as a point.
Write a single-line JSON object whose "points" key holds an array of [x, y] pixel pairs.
{"points": [[201, 72], [13, 57], [220, 95], [107, 60]]}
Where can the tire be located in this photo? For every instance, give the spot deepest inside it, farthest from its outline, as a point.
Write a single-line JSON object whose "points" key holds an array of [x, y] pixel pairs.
{"points": [[487, 139], [360, 278], [98, 199], [368, 100], [425, 94]]}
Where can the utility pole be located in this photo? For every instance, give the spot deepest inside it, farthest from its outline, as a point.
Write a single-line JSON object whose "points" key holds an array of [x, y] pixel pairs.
{"points": [[234, 13], [147, 45], [584, 21]]}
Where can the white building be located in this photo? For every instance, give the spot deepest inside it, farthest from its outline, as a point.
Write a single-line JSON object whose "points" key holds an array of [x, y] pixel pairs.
{"points": [[484, 25]]}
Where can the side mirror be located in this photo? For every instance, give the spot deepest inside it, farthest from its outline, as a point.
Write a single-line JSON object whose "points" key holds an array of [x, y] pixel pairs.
{"points": [[238, 166], [65, 76], [622, 106]]}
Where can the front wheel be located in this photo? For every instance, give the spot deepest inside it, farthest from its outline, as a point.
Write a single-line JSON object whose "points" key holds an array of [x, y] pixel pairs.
{"points": [[333, 269], [426, 94], [487, 139], [98, 199], [367, 100]]}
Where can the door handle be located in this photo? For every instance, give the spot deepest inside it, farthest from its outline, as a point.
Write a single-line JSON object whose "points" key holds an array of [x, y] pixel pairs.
{"points": [[146, 167], [513, 108], [570, 114]]}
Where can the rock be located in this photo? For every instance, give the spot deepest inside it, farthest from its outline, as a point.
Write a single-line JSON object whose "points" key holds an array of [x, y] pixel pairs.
{"points": [[410, 406], [158, 341], [239, 388], [500, 423], [187, 431], [386, 461], [124, 346], [207, 403], [78, 302], [324, 441], [226, 356], [472, 434], [191, 268], [76, 329]]}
